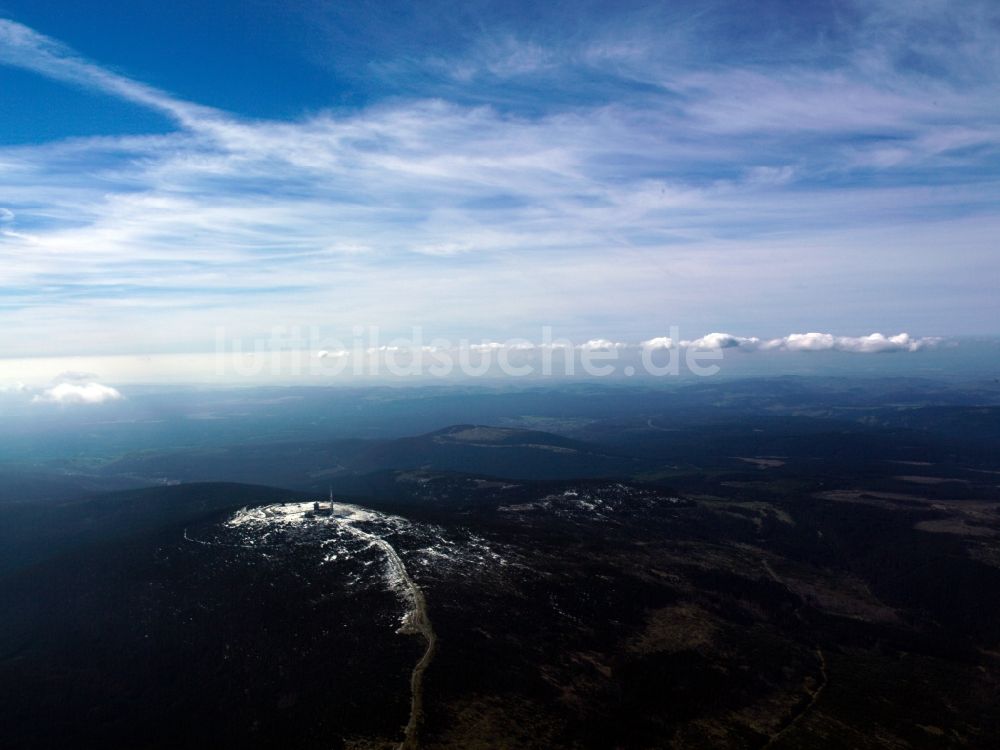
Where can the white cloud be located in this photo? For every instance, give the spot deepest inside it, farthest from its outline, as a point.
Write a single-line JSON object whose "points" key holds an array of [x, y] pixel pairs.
{"points": [[488, 346], [659, 342], [804, 342], [494, 346], [809, 342], [602, 345], [79, 393], [722, 341], [876, 342], [871, 344]]}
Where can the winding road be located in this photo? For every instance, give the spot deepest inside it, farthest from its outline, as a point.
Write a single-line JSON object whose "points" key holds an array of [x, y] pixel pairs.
{"points": [[415, 622], [418, 623]]}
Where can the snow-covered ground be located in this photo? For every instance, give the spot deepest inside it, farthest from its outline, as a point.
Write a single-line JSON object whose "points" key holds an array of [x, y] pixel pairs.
{"points": [[593, 503], [364, 547]]}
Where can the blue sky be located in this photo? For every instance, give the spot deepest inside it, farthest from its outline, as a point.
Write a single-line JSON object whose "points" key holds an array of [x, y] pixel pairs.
{"points": [[485, 169]]}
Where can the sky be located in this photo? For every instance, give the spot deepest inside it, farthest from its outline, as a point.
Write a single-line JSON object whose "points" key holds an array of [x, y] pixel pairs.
{"points": [[173, 175]]}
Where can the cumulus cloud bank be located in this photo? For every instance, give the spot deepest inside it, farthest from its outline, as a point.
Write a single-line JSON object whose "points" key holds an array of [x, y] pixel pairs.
{"points": [[78, 393], [722, 341], [804, 342], [660, 342], [872, 343], [795, 342], [596, 345]]}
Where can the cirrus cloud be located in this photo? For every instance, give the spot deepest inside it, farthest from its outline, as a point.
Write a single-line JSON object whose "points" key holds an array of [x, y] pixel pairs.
{"points": [[684, 179]]}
